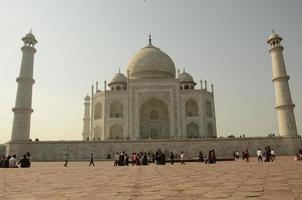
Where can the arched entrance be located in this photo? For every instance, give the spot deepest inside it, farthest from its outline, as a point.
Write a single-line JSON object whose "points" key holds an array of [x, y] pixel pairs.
{"points": [[192, 130], [116, 132], [154, 119]]}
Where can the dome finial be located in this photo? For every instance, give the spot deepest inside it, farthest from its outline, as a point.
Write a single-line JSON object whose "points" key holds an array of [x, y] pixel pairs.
{"points": [[119, 70], [273, 31], [150, 39], [184, 70], [30, 30]]}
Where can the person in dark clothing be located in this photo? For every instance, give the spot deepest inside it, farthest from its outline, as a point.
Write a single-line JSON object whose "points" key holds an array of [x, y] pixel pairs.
{"points": [[268, 154], [213, 156], [1, 161], [122, 159], [163, 161], [66, 160], [6, 162], [137, 160], [172, 158], [145, 159], [157, 158], [247, 155], [153, 157], [200, 156], [24, 162], [126, 159], [210, 158], [91, 160]]}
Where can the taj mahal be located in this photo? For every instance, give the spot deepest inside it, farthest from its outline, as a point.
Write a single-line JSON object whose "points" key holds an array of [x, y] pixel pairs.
{"points": [[150, 102], [151, 106]]}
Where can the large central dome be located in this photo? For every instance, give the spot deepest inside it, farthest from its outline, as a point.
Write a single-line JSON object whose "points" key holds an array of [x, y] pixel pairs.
{"points": [[151, 63]]}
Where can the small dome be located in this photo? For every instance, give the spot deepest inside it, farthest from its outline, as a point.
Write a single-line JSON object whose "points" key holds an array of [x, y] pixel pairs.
{"points": [[118, 78], [151, 63], [185, 78]]}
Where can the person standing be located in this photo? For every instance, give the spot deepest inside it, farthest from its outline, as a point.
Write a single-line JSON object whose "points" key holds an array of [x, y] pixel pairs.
{"points": [[182, 158], [210, 158], [66, 159], [172, 158], [116, 157], [213, 156], [259, 155], [268, 154], [126, 159], [145, 159], [200, 156], [273, 156], [28, 157], [243, 155], [91, 160], [247, 155]]}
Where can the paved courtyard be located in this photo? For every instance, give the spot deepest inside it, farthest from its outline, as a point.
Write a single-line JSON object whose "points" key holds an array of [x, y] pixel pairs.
{"points": [[281, 179]]}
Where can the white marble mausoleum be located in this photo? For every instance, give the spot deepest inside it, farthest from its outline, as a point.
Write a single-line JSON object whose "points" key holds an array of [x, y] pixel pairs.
{"points": [[150, 107], [150, 102]]}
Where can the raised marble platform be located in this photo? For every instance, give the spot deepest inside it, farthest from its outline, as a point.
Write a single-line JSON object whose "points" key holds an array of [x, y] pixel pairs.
{"points": [[224, 147]]}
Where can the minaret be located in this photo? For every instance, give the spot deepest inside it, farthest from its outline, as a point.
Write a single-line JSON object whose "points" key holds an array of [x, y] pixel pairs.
{"points": [[86, 119], [284, 105], [22, 110]]}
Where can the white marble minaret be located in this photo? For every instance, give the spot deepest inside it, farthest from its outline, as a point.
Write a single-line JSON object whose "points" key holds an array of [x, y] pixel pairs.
{"points": [[284, 105], [86, 119], [22, 110]]}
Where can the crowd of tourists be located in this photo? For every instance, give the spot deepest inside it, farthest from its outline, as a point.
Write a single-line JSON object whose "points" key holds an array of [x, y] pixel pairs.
{"points": [[144, 158], [141, 158], [158, 158], [267, 155], [12, 162]]}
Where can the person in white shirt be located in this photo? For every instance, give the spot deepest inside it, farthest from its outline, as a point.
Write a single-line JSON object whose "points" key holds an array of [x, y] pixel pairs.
{"points": [[273, 156], [259, 155], [182, 158], [12, 163]]}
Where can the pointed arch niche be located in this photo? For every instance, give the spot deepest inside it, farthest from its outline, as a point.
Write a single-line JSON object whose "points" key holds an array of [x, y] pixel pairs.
{"points": [[97, 111], [191, 108], [192, 130], [154, 119], [116, 132]]}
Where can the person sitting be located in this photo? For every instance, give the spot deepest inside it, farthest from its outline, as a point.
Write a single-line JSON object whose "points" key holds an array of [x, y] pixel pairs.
{"points": [[12, 163], [299, 155], [6, 162], [24, 162]]}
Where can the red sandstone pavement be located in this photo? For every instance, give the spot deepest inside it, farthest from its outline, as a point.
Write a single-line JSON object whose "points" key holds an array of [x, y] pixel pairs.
{"points": [[281, 179]]}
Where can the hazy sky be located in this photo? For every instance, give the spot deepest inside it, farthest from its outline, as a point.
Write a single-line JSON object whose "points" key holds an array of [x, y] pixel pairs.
{"points": [[84, 41]]}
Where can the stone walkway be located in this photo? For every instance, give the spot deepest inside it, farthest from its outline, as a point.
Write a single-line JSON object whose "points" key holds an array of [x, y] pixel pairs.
{"points": [[281, 179]]}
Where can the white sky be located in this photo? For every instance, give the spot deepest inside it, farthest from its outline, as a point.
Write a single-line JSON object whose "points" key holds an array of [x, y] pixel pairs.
{"points": [[84, 41]]}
